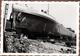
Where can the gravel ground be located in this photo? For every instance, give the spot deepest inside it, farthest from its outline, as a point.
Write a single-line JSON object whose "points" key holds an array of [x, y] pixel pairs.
{"points": [[25, 45]]}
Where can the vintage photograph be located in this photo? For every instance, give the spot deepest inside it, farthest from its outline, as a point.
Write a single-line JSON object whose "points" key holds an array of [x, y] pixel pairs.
{"points": [[38, 27]]}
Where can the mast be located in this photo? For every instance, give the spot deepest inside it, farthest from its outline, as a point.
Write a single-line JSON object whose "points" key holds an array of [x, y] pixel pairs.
{"points": [[48, 9], [5, 15]]}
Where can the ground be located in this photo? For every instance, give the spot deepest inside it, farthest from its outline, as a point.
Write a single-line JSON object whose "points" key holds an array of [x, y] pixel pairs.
{"points": [[24, 45]]}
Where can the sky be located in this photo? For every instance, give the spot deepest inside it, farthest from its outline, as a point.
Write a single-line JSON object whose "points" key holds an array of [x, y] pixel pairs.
{"points": [[65, 13]]}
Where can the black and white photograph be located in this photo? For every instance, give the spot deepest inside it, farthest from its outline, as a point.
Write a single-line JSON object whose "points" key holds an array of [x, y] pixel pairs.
{"points": [[40, 27]]}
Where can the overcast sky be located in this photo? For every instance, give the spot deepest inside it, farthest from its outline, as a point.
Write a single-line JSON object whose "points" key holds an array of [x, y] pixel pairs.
{"points": [[65, 13]]}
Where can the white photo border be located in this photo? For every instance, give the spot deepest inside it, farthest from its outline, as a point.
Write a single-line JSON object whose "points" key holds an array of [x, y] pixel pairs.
{"points": [[2, 16]]}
